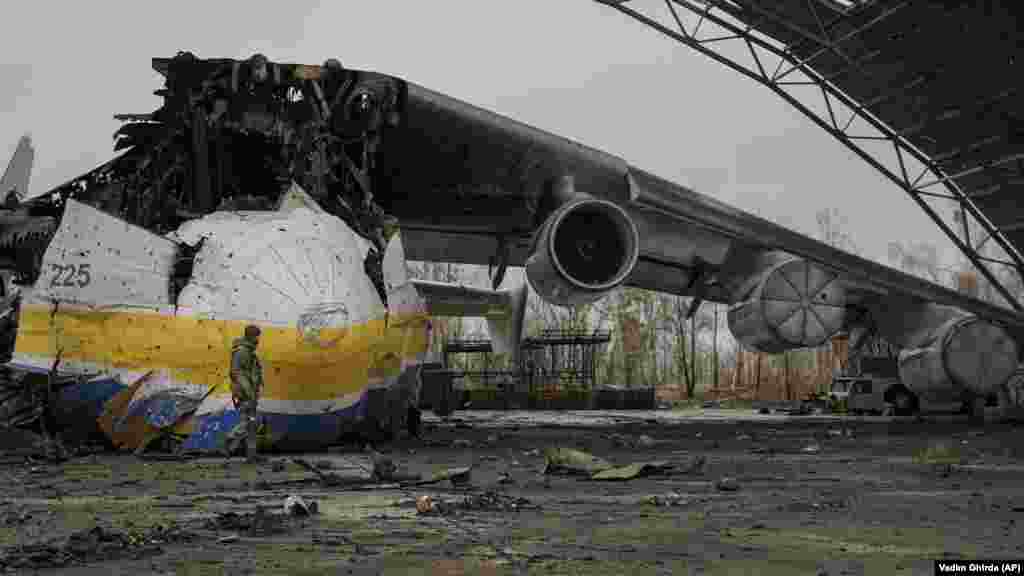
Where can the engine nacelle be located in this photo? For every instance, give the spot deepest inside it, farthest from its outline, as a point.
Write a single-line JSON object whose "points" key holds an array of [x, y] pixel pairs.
{"points": [[584, 250], [791, 303], [963, 355]]}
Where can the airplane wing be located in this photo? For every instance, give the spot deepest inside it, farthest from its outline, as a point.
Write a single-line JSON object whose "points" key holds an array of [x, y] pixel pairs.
{"points": [[471, 186], [460, 178]]}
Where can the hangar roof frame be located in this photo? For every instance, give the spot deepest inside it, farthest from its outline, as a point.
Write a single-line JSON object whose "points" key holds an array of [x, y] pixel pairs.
{"points": [[943, 121]]}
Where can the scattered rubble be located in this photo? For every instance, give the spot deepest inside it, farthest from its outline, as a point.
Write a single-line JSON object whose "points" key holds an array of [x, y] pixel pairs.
{"points": [[95, 544], [727, 484], [487, 501], [457, 476], [573, 462], [624, 441], [631, 471], [296, 506], [258, 523], [670, 499]]}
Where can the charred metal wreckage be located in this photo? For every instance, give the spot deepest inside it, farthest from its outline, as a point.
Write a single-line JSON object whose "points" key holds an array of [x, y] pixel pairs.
{"points": [[232, 137], [290, 196]]}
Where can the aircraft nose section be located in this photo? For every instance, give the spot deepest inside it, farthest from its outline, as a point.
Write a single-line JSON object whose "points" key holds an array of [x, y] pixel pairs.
{"points": [[301, 268]]}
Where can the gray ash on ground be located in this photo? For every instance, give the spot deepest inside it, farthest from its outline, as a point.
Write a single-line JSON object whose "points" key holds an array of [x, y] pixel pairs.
{"points": [[96, 544]]}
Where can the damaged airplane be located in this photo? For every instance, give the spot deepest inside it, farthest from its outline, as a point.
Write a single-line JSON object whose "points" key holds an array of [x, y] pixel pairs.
{"points": [[289, 196], [149, 356]]}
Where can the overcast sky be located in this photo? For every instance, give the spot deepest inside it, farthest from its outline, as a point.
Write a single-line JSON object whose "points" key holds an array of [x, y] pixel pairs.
{"points": [[575, 68]]}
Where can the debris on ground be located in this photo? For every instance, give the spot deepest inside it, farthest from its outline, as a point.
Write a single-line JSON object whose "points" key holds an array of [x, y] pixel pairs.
{"points": [[457, 476], [296, 506], [697, 465], [487, 501], [637, 470], [384, 469], [569, 461], [624, 441], [811, 449], [670, 499], [16, 518], [727, 484], [95, 544], [330, 479], [424, 504], [461, 443], [573, 462], [258, 523]]}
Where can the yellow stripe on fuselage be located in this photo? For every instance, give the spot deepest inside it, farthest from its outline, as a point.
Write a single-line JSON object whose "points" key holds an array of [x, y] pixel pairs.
{"points": [[198, 350]]}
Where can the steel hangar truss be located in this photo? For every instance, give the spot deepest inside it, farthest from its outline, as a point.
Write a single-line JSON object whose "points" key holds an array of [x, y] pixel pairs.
{"points": [[927, 93]]}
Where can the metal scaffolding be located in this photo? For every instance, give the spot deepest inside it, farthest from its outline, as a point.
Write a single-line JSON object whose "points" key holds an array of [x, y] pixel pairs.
{"points": [[562, 359], [554, 359]]}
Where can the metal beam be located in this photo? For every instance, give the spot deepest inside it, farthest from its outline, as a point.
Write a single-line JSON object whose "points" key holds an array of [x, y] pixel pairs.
{"points": [[707, 12]]}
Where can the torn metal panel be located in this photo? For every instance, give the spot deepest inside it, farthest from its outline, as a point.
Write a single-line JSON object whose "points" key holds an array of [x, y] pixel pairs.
{"points": [[279, 268], [99, 261]]}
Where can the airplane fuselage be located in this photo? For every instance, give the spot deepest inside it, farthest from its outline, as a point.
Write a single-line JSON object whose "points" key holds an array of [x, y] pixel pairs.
{"points": [[335, 356]]}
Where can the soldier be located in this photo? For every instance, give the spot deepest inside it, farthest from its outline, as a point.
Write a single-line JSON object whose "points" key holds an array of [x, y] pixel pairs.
{"points": [[246, 384]]}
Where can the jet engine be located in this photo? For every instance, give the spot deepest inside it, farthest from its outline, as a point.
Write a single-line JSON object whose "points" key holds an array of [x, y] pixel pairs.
{"points": [[789, 303], [963, 356], [586, 248]]}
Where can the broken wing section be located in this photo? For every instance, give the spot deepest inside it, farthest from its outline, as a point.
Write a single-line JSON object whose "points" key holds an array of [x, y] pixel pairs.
{"points": [[504, 310]]}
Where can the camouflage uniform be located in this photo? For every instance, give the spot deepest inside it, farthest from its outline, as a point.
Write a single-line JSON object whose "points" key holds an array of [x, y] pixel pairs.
{"points": [[246, 384]]}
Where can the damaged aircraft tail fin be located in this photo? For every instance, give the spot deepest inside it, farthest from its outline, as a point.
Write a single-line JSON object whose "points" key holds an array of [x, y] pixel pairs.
{"points": [[19, 170], [504, 309]]}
